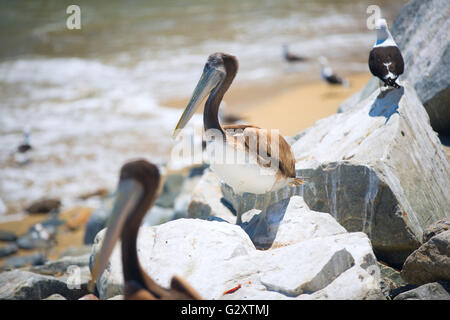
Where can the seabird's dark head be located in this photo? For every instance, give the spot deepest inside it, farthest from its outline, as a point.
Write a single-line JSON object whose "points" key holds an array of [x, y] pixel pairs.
{"points": [[216, 69]]}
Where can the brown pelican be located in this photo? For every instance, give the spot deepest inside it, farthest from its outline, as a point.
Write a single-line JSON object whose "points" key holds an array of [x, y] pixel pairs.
{"points": [[385, 59], [291, 57], [256, 160], [328, 75], [137, 191]]}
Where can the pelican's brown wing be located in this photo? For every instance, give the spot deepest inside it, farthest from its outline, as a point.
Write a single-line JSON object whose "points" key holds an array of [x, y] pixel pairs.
{"points": [[264, 138]]}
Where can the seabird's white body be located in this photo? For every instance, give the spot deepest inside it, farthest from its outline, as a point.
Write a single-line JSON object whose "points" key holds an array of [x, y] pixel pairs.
{"points": [[384, 37]]}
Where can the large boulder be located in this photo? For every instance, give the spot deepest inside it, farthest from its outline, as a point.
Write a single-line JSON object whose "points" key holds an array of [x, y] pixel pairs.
{"points": [[215, 257], [431, 262], [207, 199], [421, 32], [287, 222], [390, 279], [24, 285], [7, 236], [429, 291], [8, 249], [379, 169]]}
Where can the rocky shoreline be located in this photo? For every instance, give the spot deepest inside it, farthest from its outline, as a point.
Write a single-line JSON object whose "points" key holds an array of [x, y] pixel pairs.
{"points": [[372, 222]]}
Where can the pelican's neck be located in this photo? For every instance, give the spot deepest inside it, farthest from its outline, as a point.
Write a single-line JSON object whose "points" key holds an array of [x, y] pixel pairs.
{"points": [[211, 113], [384, 38], [132, 270]]}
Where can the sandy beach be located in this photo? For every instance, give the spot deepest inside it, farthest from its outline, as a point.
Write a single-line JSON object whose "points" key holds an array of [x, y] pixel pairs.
{"points": [[289, 107], [299, 108]]}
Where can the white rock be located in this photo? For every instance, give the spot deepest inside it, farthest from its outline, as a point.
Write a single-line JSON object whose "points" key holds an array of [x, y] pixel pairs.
{"points": [[206, 199], [378, 168], [353, 283], [287, 217]]}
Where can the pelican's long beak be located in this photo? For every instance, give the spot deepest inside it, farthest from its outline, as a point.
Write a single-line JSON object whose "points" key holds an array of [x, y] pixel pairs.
{"points": [[208, 81], [129, 193]]}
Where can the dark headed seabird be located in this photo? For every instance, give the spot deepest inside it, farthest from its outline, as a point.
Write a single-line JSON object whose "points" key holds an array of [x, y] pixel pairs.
{"points": [[328, 75], [385, 59], [291, 57]]}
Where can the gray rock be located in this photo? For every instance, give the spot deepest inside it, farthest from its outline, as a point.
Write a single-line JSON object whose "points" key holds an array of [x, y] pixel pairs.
{"points": [[420, 31], [24, 285], [390, 279], [181, 203], [354, 100], [431, 262], [351, 284], [206, 199], [249, 201], [217, 256], [284, 220], [7, 236], [171, 189], [379, 169], [76, 251], [327, 268], [8, 249], [44, 206], [39, 236], [61, 266], [98, 220], [436, 228], [157, 215], [22, 261], [429, 291]]}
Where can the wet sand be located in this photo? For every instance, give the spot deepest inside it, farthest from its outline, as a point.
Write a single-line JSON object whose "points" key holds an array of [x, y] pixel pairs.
{"points": [[299, 108]]}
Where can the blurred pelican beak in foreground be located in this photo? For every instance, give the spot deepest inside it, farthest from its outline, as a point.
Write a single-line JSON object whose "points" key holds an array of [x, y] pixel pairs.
{"points": [[128, 194]]}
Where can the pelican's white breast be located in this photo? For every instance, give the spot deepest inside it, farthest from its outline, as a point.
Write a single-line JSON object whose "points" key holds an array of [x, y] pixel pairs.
{"points": [[240, 169]]}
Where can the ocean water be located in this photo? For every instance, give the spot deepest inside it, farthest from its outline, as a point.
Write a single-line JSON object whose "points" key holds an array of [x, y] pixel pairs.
{"points": [[92, 98]]}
